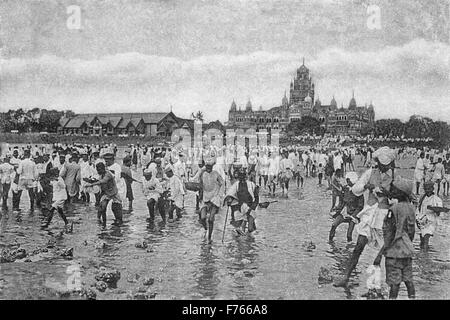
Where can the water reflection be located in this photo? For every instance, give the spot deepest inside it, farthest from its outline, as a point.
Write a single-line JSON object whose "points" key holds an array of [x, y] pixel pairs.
{"points": [[341, 256], [274, 263], [206, 275]]}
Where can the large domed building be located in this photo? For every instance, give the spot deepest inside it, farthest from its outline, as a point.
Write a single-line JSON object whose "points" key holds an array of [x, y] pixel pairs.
{"points": [[302, 102]]}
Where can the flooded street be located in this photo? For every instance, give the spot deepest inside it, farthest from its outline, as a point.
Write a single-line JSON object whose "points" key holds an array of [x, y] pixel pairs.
{"points": [[278, 261]]}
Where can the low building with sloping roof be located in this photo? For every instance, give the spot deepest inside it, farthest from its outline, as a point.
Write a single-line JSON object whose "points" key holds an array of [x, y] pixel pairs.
{"points": [[111, 124]]}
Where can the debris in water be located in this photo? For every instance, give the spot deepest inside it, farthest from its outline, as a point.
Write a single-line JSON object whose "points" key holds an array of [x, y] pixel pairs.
{"points": [[144, 295], [133, 278], [51, 243], [100, 245], [148, 281], [109, 276], [373, 294], [101, 286], [325, 275], [68, 252], [141, 245], [19, 253], [309, 246], [89, 294], [7, 255]]}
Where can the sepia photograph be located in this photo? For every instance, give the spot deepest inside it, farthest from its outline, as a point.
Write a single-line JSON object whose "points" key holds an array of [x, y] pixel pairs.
{"points": [[233, 151]]}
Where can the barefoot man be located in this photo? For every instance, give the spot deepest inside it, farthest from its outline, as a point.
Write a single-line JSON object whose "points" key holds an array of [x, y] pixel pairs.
{"points": [[213, 189]]}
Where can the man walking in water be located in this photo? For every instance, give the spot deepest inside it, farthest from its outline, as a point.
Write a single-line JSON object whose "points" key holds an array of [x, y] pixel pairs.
{"points": [[109, 192], [376, 183], [28, 175], [243, 197], [213, 189]]}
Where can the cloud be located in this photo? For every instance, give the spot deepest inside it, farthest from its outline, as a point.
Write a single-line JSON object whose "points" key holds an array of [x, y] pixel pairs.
{"points": [[413, 78]]}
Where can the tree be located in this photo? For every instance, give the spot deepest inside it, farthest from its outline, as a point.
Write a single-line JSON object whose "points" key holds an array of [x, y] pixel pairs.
{"points": [[389, 128], [68, 114], [198, 116], [49, 120], [417, 127], [307, 124]]}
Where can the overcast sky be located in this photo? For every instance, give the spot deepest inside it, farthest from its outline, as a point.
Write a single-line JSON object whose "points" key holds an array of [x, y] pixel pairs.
{"points": [[142, 56]]}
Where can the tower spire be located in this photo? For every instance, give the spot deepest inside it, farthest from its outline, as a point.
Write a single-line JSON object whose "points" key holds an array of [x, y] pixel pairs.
{"points": [[303, 60]]}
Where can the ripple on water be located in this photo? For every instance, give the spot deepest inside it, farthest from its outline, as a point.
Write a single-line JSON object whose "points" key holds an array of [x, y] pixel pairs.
{"points": [[277, 262]]}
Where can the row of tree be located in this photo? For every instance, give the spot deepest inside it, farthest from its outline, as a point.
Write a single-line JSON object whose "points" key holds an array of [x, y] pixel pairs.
{"points": [[38, 120], [415, 127], [32, 120]]}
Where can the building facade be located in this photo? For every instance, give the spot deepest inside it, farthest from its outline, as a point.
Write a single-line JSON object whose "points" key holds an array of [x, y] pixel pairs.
{"points": [[346, 121], [124, 124]]}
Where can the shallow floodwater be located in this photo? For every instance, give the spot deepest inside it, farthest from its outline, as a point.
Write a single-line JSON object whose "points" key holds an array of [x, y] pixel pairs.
{"points": [[273, 263]]}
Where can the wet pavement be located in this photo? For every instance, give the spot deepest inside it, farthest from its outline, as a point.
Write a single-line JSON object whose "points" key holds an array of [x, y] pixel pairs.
{"points": [[281, 260]]}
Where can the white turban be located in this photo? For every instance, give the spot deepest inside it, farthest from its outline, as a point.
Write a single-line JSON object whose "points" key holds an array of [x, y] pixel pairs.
{"points": [[151, 169], [352, 176], [385, 155]]}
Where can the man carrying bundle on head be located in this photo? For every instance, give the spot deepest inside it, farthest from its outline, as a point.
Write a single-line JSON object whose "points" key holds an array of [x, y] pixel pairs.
{"points": [[243, 198]]}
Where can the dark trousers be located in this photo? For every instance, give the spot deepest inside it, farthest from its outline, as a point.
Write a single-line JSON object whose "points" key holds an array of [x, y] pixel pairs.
{"points": [[61, 214], [173, 208], [339, 220], [6, 187], [361, 243], [151, 204], [17, 195], [116, 209]]}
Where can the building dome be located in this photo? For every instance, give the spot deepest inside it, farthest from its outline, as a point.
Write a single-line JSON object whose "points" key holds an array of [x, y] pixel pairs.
{"points": [[248, 107], [303, 68], [352, 104], [233, 106], [308, 98], [333, 102], [318, 103], [284, 101]]}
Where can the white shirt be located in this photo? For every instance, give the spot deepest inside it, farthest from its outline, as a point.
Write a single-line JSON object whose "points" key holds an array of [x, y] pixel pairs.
{"points": [[337, 162], [7, 173], [274, 166], [27, 169], [59, 189], [286, 164]]}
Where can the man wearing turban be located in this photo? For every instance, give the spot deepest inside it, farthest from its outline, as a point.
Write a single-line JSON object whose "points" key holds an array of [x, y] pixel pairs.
{"points": [[374, 184], [213, 189]]}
